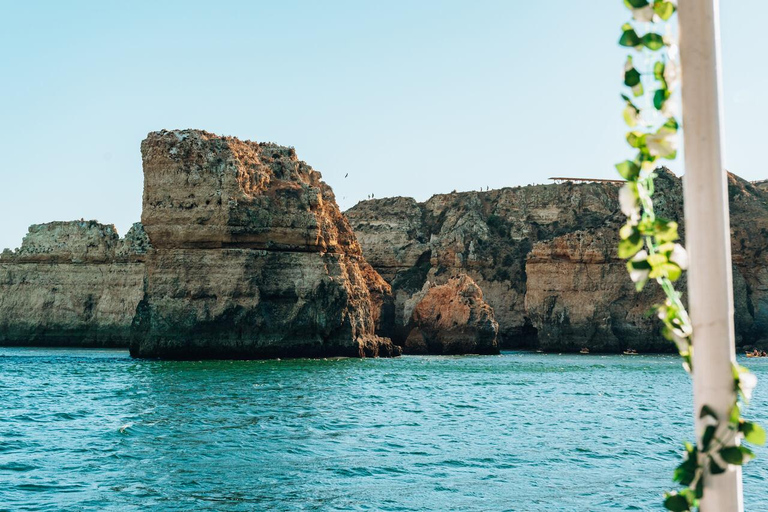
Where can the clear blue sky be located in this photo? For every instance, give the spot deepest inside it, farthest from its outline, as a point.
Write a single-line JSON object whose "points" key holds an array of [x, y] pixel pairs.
{"points": [[409, 98]]}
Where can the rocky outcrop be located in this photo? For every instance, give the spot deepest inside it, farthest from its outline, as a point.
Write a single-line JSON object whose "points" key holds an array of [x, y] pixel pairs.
{"points": [[579, 295], [72, 284], [251, 257], [451, 318], [485, 235], [546, 261], [749, 237], [247, 255]]}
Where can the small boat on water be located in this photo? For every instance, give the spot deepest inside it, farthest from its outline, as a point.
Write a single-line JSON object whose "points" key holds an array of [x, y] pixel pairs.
{"points": [[630, 352], [584, 350], [757, 353]]}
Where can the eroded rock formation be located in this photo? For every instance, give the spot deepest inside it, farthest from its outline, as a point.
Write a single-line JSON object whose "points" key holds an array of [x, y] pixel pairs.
{"points": [[72, 284], [251, 257], [246, 254], [545, 259], [486, 235], [451, 318]]}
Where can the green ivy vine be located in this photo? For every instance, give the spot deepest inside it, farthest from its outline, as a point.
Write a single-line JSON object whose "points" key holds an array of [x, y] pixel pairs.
{"points": [[649, 243]]}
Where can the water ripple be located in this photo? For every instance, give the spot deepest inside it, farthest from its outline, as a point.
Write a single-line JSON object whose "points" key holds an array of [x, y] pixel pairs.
{"points": [[98, 431]]}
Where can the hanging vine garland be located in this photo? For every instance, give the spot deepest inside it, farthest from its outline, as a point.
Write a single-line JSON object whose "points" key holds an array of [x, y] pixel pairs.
{"points": [[649, 243]]}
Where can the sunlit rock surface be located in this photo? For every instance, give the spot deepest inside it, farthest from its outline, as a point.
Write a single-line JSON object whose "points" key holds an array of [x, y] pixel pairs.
{"points": [[251, 257], [486, 235], [451, 318], [545, 259]]}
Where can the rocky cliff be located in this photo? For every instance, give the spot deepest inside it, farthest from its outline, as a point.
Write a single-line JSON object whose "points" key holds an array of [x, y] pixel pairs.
{"points": [[72, 284], [251, 257], [451, 318], [243, 252], [545, 259]]}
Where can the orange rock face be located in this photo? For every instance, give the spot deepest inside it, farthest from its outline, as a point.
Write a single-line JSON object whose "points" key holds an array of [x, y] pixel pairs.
{"points": [[452, 318]]}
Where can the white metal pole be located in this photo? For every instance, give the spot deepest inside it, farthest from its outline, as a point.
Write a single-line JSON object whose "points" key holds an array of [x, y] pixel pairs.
{"points": [[710, 289]]}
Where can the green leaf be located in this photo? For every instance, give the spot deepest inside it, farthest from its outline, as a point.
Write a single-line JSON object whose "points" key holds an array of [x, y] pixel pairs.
{"points": [[753, 433], [635, 4], [714, 468], [658, 70], [631, 77], [659, 97], [735, 415], [664, 9], [746, 453], [665, 231], [628, 169], [638, 265], [676, 503], [732, 455], [635, 139], [652, 41], [666, 247], [630, 116], [629, 38], [656, 260], [668, 270], [630, 246], [685, 472], [644, 155], [706, 438], [671, 124]]}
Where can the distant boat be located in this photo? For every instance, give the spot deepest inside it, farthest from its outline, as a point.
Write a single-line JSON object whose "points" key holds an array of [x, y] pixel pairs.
{"points": [[585, 350], [630, 352], [757, 353]]}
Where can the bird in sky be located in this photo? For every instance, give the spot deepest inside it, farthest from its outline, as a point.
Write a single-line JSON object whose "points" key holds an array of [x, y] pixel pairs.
{"points": [[346, 175]]}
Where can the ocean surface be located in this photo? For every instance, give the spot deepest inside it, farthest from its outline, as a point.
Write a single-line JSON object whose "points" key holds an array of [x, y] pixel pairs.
{"points": [[94, 430]]}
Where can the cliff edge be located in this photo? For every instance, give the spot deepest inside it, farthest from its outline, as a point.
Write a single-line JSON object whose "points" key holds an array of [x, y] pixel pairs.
{"points": [[251, 257], [545, 259]]}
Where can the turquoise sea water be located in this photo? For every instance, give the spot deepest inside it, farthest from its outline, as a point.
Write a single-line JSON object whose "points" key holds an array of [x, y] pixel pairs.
{"points": [[97, 431]]}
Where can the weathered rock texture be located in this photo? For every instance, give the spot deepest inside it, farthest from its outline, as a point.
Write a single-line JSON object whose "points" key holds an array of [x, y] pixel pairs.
{"points": [[545, 258], [251, 257], [72, 284], [451, 318]]}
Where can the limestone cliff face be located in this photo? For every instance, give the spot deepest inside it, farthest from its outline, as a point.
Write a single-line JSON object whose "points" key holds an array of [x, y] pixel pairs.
{"points": [[749, 237], [486, 235], [251, 257], [579, 295], [451, 318], [72, 284], [545, 258]]}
